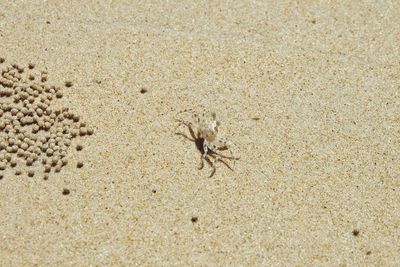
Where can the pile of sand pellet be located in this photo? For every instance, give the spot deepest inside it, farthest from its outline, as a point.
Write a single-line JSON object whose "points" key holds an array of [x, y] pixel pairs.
{"points": [[34, 137]]}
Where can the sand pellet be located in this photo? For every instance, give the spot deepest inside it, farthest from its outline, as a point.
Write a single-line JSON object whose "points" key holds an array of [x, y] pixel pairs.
{"points": [[34, 134], [83, 131]]}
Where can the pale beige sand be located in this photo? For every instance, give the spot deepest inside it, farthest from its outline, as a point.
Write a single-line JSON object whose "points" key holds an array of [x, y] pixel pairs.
{"points": [[322, 160]]}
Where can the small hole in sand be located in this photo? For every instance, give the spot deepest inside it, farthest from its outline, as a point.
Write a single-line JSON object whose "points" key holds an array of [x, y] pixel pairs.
{"points": [[356, 232], [65, 191]]}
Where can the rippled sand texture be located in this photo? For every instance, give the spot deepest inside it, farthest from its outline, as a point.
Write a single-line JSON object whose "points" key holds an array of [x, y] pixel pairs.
{"points": [[308, 92]]}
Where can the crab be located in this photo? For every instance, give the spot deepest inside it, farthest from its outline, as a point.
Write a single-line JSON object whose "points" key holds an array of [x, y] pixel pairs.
{"points": [[203, 132]]}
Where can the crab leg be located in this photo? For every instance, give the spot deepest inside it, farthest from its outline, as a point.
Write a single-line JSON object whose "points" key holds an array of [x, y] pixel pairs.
{"points": [[212, 166]]}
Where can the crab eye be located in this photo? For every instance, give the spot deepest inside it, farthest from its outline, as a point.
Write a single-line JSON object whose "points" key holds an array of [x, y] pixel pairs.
{"points": [[213, 115]]}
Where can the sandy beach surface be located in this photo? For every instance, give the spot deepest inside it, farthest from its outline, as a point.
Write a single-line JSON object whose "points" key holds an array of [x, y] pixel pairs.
{"points": [[309, 93]]}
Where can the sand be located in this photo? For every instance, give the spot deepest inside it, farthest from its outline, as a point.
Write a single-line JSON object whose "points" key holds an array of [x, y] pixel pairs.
{"points": [[308, 92]]}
